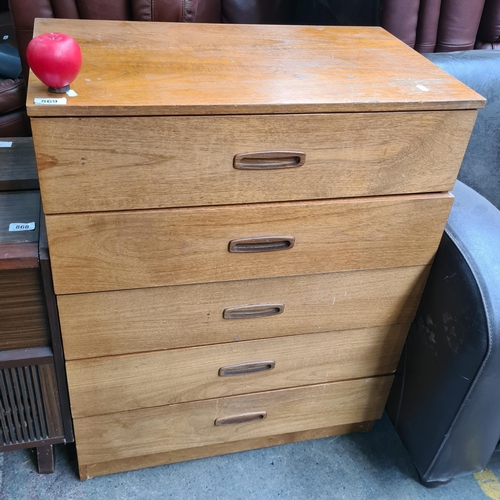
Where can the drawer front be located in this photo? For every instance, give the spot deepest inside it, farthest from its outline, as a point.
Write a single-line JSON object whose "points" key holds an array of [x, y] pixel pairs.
{"points": [[121, 250], [119, 383], [138, 163], [189, 425], [150, 319]]}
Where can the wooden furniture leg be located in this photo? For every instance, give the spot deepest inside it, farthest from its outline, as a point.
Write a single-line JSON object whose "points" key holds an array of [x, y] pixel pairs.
{"points": [[45, 459]]}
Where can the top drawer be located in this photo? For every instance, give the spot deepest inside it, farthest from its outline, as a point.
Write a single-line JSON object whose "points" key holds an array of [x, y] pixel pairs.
{"points": [[101, 164]]}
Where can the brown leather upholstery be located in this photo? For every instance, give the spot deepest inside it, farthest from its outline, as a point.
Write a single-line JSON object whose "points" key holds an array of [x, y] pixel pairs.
{"points": [[14, 121], [12, 95], [400, 17], [458, 24], [199, 11], [443, 25], [428, 25], [258, 11], [488, 36], [13, 118], [15, 124]]}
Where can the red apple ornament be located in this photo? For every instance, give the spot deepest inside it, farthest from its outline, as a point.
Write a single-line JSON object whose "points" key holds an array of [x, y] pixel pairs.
{"points": [[55, 59]]}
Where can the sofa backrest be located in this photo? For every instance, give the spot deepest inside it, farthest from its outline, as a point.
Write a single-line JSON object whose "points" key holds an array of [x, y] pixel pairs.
{"points": [[443, 25]]}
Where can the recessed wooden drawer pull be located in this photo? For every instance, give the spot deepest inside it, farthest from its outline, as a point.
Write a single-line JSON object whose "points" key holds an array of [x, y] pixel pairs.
{"points": [[253, 311], [246, 368], [269, 160], [261, 244], [241, 419]]}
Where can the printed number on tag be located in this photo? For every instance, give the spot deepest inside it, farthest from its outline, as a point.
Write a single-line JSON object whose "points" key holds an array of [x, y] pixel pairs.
{"points": [[22, 226], [50, 100]]}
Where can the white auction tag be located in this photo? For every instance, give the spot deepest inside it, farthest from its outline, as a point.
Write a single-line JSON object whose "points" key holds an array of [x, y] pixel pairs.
{"points": [[22, 226], [51, 100], [5, 144]]}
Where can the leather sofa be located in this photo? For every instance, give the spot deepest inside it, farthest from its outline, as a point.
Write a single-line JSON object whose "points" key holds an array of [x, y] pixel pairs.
{"points": [[443, 25], [445, 401], [13, 119]]}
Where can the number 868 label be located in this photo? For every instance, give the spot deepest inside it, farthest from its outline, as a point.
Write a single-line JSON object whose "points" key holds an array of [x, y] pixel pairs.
{"points": [[22, 226]]}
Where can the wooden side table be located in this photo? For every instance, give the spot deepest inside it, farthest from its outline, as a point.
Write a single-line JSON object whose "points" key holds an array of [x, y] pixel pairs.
{"points": [[34, 410]]}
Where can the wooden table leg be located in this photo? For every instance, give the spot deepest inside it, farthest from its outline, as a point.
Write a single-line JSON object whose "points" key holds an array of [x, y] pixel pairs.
{"points": [[45, 458]]}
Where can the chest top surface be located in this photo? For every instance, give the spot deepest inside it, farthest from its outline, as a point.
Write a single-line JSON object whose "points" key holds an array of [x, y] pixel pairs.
{"points": [[140, 68]]}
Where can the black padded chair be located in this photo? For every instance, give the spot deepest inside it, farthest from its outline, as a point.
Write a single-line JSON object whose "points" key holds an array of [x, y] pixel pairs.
{"points": [[445, 401]]}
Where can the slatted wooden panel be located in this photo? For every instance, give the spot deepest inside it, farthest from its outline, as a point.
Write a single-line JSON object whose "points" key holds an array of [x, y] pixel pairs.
{"points": [[29, 408]]}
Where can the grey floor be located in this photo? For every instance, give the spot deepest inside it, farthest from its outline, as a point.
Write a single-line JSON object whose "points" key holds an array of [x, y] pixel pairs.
{"points": [[371, 466]]}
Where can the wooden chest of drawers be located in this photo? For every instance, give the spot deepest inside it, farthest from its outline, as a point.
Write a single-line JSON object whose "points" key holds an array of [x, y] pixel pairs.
{"points": [[241, 220]]}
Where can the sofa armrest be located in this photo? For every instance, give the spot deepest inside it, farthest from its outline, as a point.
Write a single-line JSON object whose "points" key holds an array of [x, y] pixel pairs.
{"points": [[445, 402]]}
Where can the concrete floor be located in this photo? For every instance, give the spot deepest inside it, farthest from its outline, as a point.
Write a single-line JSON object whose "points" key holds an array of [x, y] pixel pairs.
{"points": [[371, 466]]}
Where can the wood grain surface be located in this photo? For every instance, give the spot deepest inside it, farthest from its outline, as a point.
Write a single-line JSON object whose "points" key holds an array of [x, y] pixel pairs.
{"points": [[101, 164], [86, 471], [149, 319], [23, 316], [144, 380], [190, 425], [186, 68], [51, 403], [19, 256], [121, 250]]}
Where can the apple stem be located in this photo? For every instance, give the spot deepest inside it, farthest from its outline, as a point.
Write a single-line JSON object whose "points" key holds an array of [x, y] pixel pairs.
{"points": [[60, 90]]}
